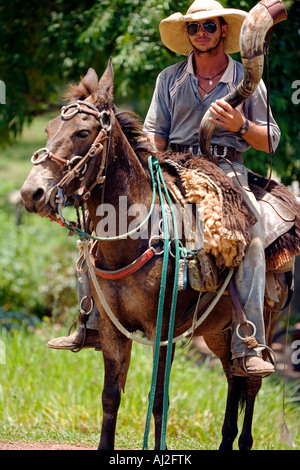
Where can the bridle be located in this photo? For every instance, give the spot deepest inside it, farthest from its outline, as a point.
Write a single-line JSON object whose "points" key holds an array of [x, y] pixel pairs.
{"points": [[90, 169]]}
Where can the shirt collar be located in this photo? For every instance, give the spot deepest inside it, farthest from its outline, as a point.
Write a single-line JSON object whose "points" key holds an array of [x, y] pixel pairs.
{"points": [[227, 76]]}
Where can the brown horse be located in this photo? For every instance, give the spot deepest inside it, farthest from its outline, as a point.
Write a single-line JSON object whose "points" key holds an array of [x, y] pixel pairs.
{"points": [[115, 164]]}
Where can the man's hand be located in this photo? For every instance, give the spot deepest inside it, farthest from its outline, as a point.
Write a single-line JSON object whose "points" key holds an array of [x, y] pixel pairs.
{"points": [[232, 119], [226, 116]]}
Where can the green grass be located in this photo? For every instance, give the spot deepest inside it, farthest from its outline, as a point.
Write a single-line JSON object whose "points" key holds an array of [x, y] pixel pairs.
{"points": [[55, 396]]}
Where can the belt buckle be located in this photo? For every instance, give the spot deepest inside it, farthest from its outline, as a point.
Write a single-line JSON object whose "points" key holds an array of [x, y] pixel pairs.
{"points": [[216, 154]]}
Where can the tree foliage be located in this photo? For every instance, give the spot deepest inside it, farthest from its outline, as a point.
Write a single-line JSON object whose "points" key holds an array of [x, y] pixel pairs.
{"points": [[43, 45]]}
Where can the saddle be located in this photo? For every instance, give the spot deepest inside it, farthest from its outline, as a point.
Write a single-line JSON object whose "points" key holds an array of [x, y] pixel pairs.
{"points": [[226, 218]]}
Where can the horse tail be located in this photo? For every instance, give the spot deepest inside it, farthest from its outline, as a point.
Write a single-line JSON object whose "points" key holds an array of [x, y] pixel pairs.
{"points": [[241, 392], [258, 22]]}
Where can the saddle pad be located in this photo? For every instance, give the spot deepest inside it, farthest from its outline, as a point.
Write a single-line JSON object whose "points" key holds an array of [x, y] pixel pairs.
{"points": [[278, 218], [287, 245], [225, 238]]}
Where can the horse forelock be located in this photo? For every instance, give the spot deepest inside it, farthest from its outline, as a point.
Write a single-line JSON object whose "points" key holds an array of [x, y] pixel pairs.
{"points": [[130, 122], [85, 88]]}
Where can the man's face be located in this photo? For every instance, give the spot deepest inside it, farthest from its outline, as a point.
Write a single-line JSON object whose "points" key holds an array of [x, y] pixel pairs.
{"points": [[203, 41]]}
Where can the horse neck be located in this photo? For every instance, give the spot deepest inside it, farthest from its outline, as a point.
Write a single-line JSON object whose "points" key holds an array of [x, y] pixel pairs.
{"points": [[126, 184]]}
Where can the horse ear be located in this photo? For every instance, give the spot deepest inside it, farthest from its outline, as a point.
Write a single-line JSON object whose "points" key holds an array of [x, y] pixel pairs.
{"points": [[90, 80], [104, 92], [85, 87]]}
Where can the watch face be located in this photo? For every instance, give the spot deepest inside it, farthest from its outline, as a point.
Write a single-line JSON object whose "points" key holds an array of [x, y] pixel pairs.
{"points": [[244, 129]]}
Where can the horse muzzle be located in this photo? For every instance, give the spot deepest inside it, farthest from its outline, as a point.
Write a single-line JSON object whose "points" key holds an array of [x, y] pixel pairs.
{"points": [[39, 199]]}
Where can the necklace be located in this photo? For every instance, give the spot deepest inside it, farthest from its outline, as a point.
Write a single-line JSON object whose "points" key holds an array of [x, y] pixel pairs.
{"points": [[211, 78], [205, 91]]}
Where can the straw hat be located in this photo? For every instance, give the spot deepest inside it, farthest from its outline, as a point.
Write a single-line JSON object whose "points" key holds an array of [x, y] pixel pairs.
{"points": [[172, 29]]}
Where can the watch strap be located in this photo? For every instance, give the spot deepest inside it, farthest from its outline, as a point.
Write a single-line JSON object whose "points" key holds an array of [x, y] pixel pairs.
{"points": [[244, 129]]}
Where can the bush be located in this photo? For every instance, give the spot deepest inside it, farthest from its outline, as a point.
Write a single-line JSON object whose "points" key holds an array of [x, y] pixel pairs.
{"points": [[37, 267]]}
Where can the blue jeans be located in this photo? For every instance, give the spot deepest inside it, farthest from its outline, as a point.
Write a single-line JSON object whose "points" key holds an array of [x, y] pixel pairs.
{"points": [[250, 277]]}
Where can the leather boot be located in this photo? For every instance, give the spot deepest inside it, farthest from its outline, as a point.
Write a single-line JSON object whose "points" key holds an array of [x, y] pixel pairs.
{"points": [[76, 340], [253, 365]]}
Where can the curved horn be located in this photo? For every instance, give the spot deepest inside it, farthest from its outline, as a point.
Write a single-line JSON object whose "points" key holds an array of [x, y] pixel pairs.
{"points": [[255, 27]]}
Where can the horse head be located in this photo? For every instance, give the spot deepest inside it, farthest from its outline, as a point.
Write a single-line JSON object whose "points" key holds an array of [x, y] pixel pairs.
{"points": [[74, 138]]}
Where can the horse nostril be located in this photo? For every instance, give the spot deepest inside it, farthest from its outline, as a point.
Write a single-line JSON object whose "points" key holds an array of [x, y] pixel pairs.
{"points": [[38, 195]]}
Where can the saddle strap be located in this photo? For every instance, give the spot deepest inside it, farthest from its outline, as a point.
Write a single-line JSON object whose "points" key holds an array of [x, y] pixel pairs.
{"points": [[127, 270], [240, 316]]}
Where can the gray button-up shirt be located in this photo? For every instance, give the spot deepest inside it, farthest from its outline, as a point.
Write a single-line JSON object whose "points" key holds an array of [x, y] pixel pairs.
{"points": [[177, 108]]}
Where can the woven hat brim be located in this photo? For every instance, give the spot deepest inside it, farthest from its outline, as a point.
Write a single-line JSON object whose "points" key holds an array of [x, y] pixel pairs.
{"points": [[173, 35]]}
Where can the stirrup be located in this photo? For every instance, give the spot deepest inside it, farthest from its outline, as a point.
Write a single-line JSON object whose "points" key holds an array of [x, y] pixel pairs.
{"points": [[251, 343], [271, 356], [83, 317], [83, 325]]}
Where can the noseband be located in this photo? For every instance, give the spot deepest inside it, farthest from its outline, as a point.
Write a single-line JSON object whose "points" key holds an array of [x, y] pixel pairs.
{"points": [[89, 169]]}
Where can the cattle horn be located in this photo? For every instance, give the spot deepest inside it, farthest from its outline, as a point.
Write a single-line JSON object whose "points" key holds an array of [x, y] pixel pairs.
{"points": [[259, 20]]}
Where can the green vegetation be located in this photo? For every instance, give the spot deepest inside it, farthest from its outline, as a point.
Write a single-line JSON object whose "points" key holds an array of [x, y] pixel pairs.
{"points": [[37, 263], [55, 396], [62, 39]]}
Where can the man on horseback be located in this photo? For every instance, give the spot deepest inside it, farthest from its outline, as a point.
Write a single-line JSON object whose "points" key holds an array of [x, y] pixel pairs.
{"points": [[183, 93]]}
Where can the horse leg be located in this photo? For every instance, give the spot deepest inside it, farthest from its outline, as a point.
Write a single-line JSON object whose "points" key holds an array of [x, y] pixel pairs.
{"points": [[252, 388], [236, 386], [219, 344], [271, 314], [116, 353], [159, 395]]}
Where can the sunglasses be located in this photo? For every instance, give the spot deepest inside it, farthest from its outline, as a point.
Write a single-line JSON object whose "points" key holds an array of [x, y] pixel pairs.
{"points": [[208, 26]]}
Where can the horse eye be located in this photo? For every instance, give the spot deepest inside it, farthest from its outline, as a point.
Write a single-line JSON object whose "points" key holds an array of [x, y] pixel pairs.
{"points": [[82, 134]]}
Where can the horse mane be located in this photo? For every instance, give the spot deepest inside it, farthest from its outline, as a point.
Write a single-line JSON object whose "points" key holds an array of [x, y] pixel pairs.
{"points": [[81, 91], [132, 127]]}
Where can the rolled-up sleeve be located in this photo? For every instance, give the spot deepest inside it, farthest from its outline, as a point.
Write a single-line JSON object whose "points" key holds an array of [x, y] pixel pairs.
{"points": [[158, 119], [255, 109]]}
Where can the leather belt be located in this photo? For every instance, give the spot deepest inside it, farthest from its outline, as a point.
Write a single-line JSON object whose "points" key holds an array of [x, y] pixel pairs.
{"points": [[216, 151]]}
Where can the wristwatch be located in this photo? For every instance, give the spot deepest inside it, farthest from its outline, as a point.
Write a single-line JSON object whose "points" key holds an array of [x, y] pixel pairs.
{"points": [[244, 129]]}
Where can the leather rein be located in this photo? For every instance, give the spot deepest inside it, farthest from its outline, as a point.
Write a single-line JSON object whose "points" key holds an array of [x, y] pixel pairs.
{"points": [[93, 163]]}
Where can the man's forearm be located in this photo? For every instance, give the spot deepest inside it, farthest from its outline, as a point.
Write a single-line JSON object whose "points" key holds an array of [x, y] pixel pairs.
{"points": [[257, 137]]}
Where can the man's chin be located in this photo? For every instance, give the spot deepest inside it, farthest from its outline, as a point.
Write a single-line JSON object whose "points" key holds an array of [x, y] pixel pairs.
{"points": [[206, 49]]}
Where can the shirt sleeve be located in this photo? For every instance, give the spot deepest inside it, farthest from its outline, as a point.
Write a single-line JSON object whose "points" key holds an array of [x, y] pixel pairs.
{"points": [[255, 109], [158, 119]]}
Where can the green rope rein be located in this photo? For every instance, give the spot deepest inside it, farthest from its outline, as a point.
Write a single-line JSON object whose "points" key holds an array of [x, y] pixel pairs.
{"points": [[161, 183], [154, 166]]}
